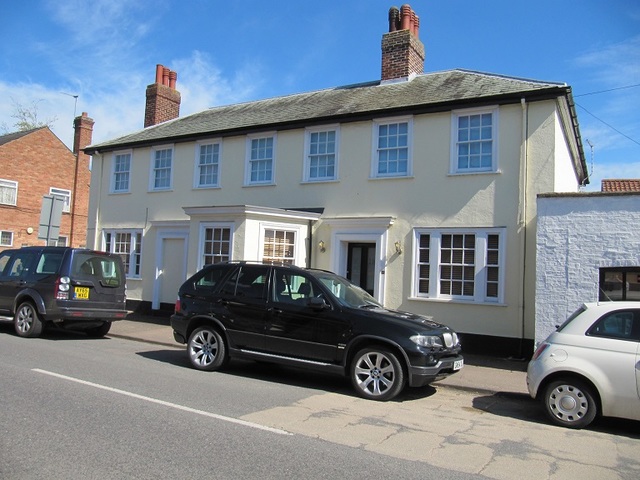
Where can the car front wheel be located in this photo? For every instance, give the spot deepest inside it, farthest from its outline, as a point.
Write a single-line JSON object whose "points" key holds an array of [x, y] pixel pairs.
{"points": [[570, 403], [377, 374], [26, 321], [206, 349]]}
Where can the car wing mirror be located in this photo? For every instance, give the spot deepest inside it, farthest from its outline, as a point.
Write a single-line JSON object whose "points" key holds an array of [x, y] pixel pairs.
{"points": [[317, 303]]}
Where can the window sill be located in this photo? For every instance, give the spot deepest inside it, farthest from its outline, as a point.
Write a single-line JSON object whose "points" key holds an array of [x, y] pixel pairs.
{"points": [[457, 301], [398, 177], [488, 172], [313, 182], [251, 185]]}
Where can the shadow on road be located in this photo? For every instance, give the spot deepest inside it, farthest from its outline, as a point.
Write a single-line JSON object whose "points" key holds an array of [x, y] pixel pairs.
{"points": [[522, 407], [284, 375]]}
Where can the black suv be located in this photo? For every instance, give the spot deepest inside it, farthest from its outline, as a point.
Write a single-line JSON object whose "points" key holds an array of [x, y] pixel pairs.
{"points": [[312, 319], [70, 287]]}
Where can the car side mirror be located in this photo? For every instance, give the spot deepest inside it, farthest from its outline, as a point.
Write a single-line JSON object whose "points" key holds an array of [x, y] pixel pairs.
{"points": [[317, 303]]}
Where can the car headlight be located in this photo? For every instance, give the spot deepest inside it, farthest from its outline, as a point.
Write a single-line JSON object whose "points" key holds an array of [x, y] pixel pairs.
{"points": [[426, 340]]}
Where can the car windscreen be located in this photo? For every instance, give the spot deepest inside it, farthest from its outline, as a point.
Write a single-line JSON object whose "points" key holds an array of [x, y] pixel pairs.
{"points": [[103, 268], [344, 292]]}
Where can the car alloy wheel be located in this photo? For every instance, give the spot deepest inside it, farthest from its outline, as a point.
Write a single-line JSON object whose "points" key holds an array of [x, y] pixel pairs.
{"points": [[27, 323], [206, 349], [376, 374], [570, 403]]}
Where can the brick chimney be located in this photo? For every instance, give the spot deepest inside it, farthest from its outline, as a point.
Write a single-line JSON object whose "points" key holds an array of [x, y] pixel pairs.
{"points": [[83, 133], [163, 100], [402, 50], [82, 137]]}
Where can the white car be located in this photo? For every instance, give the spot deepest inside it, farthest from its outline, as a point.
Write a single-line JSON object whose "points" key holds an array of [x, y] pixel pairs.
{"points": [[590, 365]]}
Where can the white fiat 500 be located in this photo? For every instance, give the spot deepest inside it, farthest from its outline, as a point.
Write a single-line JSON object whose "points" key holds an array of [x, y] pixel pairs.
{"points": [[590, 365]]}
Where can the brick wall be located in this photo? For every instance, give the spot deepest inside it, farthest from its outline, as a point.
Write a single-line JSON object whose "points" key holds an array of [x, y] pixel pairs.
{"points": [[576, 236], [38, 161]]}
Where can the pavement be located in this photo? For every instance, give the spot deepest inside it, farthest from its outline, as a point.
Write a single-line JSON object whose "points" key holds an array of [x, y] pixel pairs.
{"points": [[481, 373]]}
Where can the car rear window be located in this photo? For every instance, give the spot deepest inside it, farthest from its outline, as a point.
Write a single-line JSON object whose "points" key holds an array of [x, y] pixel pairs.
{"points": [[571, 317], [106, 269]]}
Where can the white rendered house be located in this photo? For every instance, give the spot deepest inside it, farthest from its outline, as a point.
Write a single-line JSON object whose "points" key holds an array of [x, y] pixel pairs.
{"points": [[420, 187]]}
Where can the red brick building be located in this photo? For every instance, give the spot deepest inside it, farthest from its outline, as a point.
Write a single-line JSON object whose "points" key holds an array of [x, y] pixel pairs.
{"points": [[36, 163]]}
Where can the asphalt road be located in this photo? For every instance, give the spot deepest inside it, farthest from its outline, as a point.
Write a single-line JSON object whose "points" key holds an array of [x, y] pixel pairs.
{"points": [[114, 408]]}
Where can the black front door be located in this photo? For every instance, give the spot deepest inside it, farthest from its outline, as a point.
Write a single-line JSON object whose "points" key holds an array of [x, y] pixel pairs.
{"points": [[361, 259]]}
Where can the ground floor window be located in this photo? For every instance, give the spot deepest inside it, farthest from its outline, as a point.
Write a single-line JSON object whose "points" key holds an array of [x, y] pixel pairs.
{"points": [[127, 244], [459, 264], [279, 246], [6, 238], [216, 246], [619, 284]]}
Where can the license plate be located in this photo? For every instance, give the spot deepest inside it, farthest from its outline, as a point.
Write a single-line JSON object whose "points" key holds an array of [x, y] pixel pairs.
{"points": [[81, 293], [458, 364]]}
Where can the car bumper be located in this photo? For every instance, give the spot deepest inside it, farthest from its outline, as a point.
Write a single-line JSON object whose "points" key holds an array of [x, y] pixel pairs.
{"points": [[87, 314], [421, 376]]}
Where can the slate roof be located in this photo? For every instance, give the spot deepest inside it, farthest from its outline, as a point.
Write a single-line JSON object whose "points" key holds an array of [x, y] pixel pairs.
{"points": [[10, 137], [430, 92], [620, 185]]}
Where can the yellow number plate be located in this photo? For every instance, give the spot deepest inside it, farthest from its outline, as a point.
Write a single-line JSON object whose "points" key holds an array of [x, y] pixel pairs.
{"points": [[81, 293]]}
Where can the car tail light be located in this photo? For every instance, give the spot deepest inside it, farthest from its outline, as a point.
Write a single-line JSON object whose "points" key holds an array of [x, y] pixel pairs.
{"points": [[177, 307], [541, 348], [62, 288]]}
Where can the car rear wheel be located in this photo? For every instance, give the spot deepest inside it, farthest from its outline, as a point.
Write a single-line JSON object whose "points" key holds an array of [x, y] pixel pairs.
{"points": [[206, 349], [99, 332], [570, 403], [27, 323], [377, 374]]}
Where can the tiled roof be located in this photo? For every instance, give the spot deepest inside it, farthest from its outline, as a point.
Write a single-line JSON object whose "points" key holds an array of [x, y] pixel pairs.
{"points": [[623, 185], [428, 92]]}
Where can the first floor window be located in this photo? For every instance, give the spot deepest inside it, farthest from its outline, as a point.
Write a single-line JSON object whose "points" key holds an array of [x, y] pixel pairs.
{"points": [[279, 246], [474, 141], [457, 264], [260, 162], [6, 238], [162, 169], [121, 172], [321, 151], [217, 245], [8, 192], [65, 195], [127, 244], [207, 165], [619, 284], [392, 149]]}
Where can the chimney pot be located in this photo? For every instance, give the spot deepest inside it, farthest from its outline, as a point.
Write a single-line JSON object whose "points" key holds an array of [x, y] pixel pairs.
{"points": [[165, 76], [394, 19], [159, 70], [173, 77]]}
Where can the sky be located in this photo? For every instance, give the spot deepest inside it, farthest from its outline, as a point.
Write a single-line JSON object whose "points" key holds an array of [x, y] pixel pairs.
{"points": [[64, 57]]}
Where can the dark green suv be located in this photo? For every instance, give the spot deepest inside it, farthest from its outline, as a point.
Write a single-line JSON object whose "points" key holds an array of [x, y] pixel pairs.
{"points": [[71, 288]]}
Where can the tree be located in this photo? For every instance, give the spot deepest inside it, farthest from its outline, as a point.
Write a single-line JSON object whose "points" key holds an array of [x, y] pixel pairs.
{"points": [[27, 117]]}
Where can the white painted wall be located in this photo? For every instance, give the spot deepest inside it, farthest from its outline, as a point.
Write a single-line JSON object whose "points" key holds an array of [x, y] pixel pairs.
{"points": [[577, 235]]}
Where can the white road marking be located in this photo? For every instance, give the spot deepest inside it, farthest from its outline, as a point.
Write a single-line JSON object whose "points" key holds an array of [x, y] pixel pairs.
{"points": [[166, 404]]}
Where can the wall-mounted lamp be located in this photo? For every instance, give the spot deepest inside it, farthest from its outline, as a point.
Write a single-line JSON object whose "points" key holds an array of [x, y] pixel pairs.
{"points": [[398, 246], [321, 246]]}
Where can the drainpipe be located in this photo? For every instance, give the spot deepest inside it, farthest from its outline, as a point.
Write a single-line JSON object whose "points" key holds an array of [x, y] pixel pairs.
{"points": [[522, 220]]}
